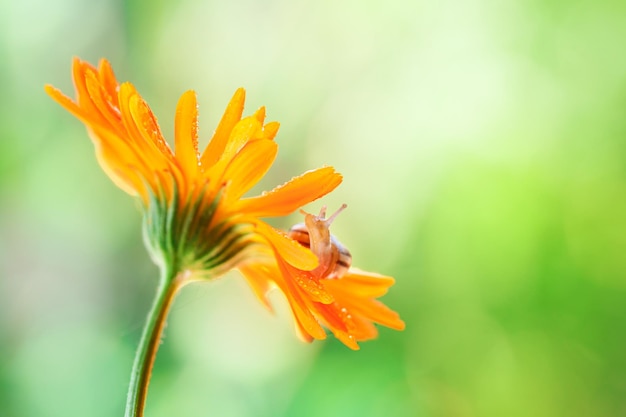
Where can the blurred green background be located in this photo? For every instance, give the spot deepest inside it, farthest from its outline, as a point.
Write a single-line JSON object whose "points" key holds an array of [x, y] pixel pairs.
{"points": [[483, 145]]}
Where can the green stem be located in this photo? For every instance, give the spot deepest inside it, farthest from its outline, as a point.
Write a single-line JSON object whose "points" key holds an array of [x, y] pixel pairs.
{"points": [[149, 343]]}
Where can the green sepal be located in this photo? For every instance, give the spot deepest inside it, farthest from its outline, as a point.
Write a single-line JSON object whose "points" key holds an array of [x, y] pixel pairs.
{"points": [[183, 233]]}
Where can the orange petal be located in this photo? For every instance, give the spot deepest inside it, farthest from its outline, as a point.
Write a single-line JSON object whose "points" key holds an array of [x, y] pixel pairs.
{"points": [[108, 80], [101, 99], [69, 105], [112, 152], [306, 324], [308, 327], [303, 334], [331, 318], [245, 130], [305, 320], [363, 329], [79, 72], [270, 130], [231, 116], [288, 249], [379, 313], [260, 114], [126, 94], [83, 108], [115, 158], [372, 310], [85, 78], [249, 166], [119, 154], [142, 131], [361, 284], [307, 282], [143, 135], [292, 195], [258, 282], [186, 132], [148, 128], [356, 291]]}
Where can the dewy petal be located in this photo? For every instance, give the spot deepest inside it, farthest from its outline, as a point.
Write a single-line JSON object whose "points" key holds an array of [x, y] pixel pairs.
{"points": [[124, 158], [366, 284], [108, 80], [111, 150], [186, 132], [69, 105], [143, 127], [289, 250], [314, 289], [249, 166], [245, 130], [115, 158], [355, 296], [379, 313], [341, 327], [259, 283], [102, 101], [306, 323], [260, 114], [303, 334], [270, 130], [87, 112], [292, 195], [80, 70], [144, 135], [230, 118], [363, 329]]}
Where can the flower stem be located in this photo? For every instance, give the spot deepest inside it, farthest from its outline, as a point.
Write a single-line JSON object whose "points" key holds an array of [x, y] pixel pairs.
{"points": [[149, 343]]}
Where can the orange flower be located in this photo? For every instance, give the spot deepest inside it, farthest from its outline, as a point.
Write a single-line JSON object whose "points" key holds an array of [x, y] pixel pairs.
{"points": [[196, 223]]}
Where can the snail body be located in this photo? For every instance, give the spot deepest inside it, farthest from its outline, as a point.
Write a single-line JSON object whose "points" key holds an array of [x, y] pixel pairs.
{"points": [[334, 258]]}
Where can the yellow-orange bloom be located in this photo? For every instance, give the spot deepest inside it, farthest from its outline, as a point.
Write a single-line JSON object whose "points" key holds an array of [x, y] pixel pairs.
{"points": [[197, 223], [196, 218]]}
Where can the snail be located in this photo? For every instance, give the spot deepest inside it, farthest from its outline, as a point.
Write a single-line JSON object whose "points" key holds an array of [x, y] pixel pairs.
{"points": [[334, 258]]}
